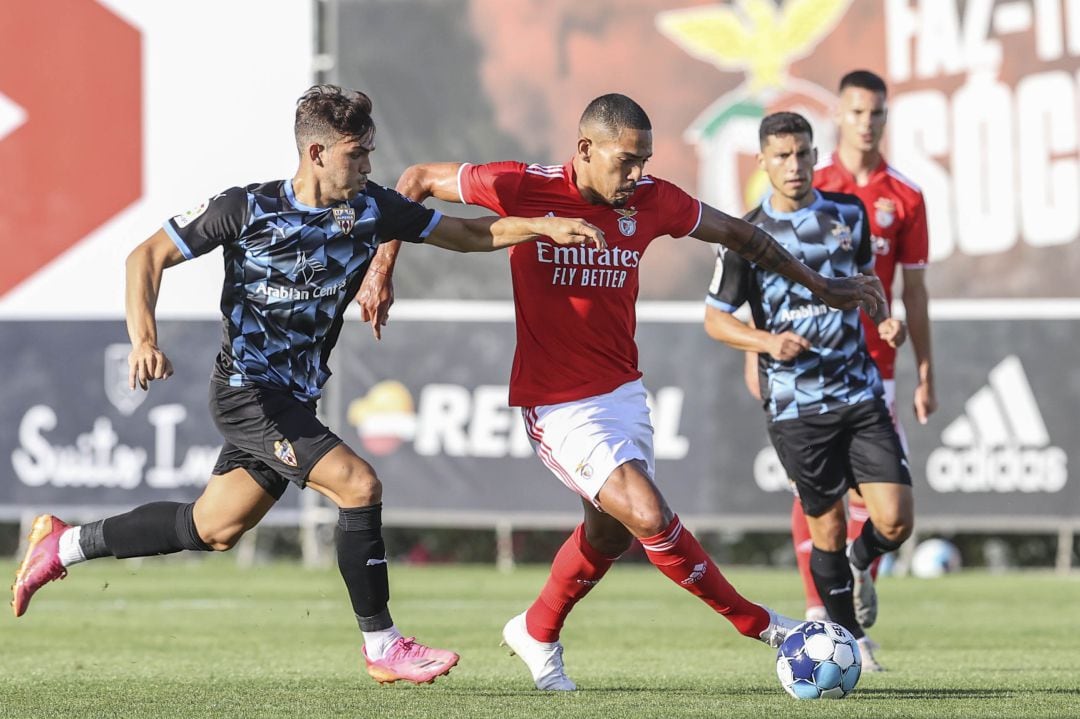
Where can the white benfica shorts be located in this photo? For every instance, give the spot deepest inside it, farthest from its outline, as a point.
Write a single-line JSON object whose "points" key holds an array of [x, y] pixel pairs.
{"points": [[582, 442]]}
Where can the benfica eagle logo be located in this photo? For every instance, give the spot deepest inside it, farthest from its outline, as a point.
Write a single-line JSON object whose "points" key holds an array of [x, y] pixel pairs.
{"points": [[627, 223]]}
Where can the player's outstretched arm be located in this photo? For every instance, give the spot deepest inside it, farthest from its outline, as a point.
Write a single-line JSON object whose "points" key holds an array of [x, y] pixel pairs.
{"points": [[144, 268], [485, 234], [760, 248]]}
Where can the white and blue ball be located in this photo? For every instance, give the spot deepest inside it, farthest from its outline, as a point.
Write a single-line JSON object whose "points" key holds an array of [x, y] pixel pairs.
{"points": [[819, 660], [935, 558]]}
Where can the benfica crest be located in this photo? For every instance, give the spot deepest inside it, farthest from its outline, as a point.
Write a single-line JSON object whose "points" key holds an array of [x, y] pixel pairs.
{"points": [[627, 223], [345, 217], [884, 212], [284, 451], [761, 38]]}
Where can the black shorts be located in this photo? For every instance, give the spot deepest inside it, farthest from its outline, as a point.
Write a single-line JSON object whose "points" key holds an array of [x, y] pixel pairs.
{"points": [[826, 454], [270, 433]]}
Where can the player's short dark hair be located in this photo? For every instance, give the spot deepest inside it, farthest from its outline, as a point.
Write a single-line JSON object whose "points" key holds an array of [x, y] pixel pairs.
{"points": [[864, 79], [783, 123], [615, 112], [327, 113]]}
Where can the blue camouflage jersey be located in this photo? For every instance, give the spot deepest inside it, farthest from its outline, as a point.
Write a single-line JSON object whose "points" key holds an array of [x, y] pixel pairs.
{"points": [[832, 237], [290, 272]]}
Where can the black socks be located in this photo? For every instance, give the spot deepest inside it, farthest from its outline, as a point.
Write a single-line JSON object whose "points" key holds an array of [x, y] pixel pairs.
{"points": [[869, 546], [362, 561], [834, 582], [155, 528]]}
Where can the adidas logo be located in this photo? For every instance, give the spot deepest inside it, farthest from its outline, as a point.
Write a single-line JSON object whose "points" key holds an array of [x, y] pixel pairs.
{"points": [[697, 574], [1000, 443]]}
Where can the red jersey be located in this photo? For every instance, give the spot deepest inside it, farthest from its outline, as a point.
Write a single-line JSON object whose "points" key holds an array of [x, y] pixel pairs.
{"points": [[575, 305], [897, 232]]}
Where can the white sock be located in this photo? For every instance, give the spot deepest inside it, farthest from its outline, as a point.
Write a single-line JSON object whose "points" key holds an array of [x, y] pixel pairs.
{"points": [[70, 550], [376, 643]]}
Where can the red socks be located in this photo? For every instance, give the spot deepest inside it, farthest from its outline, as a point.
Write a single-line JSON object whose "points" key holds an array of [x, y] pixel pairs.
{"points": [[576, 570], [677, 553], [800, 537]]}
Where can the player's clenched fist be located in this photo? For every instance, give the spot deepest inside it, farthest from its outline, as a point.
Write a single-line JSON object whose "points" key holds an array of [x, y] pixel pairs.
{"points": [[892, 331], [787, 346], [147, 363]]}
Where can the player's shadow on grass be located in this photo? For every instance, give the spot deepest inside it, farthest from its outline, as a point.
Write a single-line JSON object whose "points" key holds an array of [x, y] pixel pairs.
{"points": [[898, 693]]}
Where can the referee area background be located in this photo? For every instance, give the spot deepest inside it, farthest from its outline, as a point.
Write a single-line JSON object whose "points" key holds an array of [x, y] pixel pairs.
{"points": [[116, 114]]}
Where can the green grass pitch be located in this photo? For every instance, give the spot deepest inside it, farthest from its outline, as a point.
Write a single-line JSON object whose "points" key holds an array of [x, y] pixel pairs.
{"points": [[206, 639]]}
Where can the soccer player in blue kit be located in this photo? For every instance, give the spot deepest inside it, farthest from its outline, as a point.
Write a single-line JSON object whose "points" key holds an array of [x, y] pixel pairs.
{"points": [[819, 386], [295, 253]]}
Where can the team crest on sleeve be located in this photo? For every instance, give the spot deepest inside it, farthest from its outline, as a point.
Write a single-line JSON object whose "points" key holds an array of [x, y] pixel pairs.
{"points": [[884, 211], [345, 217], [842, 233], [186, 218], [284, 451], [627, 223]]}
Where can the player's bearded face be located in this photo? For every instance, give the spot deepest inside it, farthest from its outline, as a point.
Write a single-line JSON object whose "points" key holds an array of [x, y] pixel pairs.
{"points": [[861, 118], [615, 164]]}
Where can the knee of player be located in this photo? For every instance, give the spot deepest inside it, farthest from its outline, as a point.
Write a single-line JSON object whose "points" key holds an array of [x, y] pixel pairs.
{"points": [[222, 538], [609, 542], [650, 521], [896, 529], [358, 486]]}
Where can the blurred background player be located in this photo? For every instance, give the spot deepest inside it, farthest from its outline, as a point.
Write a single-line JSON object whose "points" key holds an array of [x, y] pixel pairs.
{"points": [[575, 372], [295, 252], [820, 388], [897, 215]]}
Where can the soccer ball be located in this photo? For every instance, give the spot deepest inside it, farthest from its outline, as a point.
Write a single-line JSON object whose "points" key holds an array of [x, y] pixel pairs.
{"points": [[934, 558], [819, 660]]}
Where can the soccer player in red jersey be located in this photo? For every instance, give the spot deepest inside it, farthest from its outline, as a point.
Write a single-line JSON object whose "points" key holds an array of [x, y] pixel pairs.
{"points": [[898, 232], [575, 372]]}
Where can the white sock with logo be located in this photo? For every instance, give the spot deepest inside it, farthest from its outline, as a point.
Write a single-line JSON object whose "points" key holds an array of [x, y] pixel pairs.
{"points": [[377, 643], [70, 550]]}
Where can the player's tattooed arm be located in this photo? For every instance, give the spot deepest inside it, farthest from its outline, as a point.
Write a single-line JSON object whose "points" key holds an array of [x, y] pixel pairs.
{"points": [[763, 250]]}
